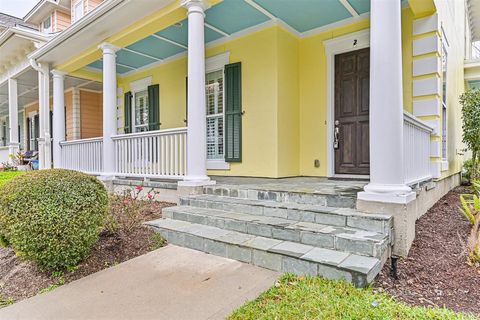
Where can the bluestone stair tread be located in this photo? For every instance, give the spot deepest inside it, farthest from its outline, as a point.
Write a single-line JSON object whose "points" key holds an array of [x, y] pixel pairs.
{"points": [[279, 255], [349, 191], [344, 232], [289, 205]]}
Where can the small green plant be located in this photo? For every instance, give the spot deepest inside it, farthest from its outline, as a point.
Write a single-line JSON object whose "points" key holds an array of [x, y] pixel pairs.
{"points": [[5, 302], [127, 209], [471, 210], [467, 171], [53, 217], [157, 241], [470, 102]]}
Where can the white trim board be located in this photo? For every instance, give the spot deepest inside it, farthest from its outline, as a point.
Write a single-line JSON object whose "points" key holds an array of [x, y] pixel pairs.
{"points": [[334, 47]]}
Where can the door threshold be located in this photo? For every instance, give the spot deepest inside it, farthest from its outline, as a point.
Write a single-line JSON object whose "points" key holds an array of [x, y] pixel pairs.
{"points": [[351, 176]]}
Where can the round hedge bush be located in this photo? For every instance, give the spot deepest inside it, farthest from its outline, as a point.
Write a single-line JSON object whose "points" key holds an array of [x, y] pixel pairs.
{"points": [[53, 217]]}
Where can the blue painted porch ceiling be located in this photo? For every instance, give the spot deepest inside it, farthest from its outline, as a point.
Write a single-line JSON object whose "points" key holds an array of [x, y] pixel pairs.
{"points": [[155, 47], [99, 65], [232, 16], [179, 33], [305, 15], [361, 6]]}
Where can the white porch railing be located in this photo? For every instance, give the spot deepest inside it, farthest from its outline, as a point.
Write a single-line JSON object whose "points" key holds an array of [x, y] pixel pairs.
{"points": [[416, 145], [4, 154], [160, 153], [83, 155]]}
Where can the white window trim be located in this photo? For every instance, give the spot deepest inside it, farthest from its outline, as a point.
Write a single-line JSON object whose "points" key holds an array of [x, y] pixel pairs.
{"points": [[445, 46], [213, 64], [75, 18], [333, 47], [135, 87], [32, 115], [50, 29]]}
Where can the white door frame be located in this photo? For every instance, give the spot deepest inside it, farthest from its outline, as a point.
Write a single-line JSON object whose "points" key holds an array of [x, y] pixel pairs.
{"points": [[346, 43]]}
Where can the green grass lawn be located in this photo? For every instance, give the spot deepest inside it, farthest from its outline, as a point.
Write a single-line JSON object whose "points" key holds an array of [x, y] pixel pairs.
{"points": [[316, 298], [6, 176]]}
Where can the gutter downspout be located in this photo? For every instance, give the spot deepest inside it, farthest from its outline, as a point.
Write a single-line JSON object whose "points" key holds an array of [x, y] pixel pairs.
{"points": [[44, 141]]}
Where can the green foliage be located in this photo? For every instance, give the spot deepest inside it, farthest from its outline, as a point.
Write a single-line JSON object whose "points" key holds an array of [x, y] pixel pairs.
{"points": [[53, 217], [470, 206], [295, 297], [470, 102], [8, 175], [467, 170], [471, 210], [5, 302], [157, 241], [126, 213]]}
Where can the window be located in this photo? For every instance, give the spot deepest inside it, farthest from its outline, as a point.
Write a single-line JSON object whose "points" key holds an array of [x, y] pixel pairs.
{"points": [[140, 111], [47, 25], [444, 102], [3, 133], [78, 10], [33, 132], [215, 115]]}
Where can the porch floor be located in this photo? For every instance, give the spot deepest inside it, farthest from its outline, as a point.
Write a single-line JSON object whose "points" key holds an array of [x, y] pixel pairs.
{"points": [[309, 185]]}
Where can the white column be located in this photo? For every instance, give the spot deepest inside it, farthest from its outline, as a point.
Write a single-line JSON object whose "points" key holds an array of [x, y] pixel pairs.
{"points": [[109, 107], [44, 141], [387, 181], [13, 116], [197, 128], [58, 116]]}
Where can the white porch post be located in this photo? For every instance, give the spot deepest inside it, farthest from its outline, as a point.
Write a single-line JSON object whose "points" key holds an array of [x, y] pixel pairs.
{"points": [[387, 180], [109, 106], [197, 128], [44, 142], [13, 116], [58, 116]]}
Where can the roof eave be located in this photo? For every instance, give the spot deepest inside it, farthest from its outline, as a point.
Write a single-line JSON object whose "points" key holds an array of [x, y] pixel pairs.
{"points": [[32, 35], [75, 28]]}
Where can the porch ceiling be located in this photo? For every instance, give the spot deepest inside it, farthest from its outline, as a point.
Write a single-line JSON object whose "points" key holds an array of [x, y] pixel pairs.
{"points": [[27, 85], [230, 17]]}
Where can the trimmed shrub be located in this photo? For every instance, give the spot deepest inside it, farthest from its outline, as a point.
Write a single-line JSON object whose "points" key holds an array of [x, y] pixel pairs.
{"points": [[53, 217]]}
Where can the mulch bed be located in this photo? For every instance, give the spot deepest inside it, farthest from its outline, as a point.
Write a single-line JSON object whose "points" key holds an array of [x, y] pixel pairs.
{"points": [[21, 279], [436, 272]]}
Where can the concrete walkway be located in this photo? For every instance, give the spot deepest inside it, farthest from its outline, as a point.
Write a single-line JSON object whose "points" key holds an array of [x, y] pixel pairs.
{"points": [[169, 283]]}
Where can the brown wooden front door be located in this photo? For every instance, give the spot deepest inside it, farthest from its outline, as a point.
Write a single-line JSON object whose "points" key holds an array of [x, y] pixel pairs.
{"points": [[352, 79]]}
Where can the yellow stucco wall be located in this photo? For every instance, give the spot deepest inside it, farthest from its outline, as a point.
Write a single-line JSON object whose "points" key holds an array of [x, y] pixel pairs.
{"points": [[452, 21], [284, 85], [288, 95], [257, 52]]}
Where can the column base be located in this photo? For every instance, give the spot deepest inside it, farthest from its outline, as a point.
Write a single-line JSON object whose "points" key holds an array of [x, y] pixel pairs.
{"points": [[14, 147], [388, 193], [196, 181]]}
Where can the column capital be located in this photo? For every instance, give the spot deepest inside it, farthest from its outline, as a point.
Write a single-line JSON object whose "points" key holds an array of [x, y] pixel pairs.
{"points": [[58, 74], [108, 48], [195, 5]]}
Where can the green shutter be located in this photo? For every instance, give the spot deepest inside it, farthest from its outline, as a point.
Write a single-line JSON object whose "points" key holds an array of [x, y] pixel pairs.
{"points": [[154, 107], [128, 113], [233, 112]]}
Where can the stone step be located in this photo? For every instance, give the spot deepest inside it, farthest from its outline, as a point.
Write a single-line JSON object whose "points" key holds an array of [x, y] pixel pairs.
{"points": [[339, 217], [361, 242], [340, 197], [283, 256]]}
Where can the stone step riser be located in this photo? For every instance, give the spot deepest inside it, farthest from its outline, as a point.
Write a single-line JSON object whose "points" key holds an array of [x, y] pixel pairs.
{"points": [[326, 218], [331, 200], [266, 259], [327, 240]]}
